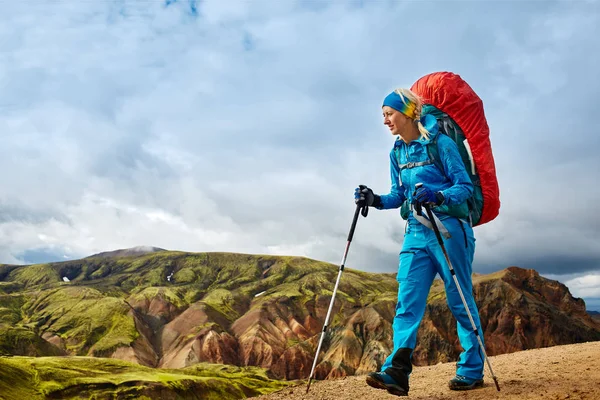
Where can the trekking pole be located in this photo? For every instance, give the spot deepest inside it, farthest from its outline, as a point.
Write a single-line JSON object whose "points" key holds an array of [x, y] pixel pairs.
{"points": [[365, 211], [475, 330]]}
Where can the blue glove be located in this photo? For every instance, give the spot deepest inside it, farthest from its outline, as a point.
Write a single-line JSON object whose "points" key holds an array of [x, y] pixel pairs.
{"points": [[425, 195], [364, 196]]}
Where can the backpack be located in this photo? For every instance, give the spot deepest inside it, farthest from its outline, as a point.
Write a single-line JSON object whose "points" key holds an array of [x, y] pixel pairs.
{"points": [[460, 115]]}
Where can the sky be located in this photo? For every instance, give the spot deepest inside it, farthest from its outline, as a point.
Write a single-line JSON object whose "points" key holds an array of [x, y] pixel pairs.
{"points": [[245, 126]]}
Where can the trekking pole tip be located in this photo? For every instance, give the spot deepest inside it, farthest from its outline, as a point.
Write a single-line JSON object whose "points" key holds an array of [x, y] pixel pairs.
{"points": [[495, 381]]}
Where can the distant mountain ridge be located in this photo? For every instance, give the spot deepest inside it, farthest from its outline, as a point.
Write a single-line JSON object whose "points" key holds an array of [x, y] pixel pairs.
{"points": [[132, 251], [174, 309]]}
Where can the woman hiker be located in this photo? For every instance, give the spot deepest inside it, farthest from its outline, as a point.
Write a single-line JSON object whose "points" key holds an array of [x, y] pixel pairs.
{"points": [[421, 257]]}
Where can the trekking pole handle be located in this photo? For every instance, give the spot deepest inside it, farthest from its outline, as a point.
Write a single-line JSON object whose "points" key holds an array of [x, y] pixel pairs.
{"points": [[429, 214], [436, 229], [364, 209], [360, 209], [418, 205]]}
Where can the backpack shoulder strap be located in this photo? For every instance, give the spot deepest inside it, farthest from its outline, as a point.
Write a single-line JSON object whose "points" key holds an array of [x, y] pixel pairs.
{"points": [[397, 155], [434, 153]]}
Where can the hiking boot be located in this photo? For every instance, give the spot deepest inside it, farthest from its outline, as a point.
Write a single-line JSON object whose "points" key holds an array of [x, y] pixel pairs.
{"points": [[460, 382], [381, 380]]}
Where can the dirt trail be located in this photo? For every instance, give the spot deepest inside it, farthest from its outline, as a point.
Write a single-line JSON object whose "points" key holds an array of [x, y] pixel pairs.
{"points": [[562, 372]]}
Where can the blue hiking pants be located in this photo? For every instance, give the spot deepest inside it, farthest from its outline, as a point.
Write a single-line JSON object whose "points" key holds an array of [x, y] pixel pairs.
{"points": [[421, 259]]}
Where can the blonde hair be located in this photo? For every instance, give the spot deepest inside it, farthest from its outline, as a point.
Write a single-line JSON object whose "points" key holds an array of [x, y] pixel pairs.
{"points": [[418, 102]]}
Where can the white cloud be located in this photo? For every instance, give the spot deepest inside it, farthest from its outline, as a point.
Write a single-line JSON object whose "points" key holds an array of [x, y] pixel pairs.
{"points": [[247, 127], [585, 286]]}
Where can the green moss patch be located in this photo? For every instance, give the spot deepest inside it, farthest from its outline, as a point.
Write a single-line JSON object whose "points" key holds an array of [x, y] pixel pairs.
{"points": [[98, 378], [86, 319]]}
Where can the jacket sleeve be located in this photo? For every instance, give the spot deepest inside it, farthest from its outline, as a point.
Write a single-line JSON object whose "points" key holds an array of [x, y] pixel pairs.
{"points": [[462, 187], [396, 196]]}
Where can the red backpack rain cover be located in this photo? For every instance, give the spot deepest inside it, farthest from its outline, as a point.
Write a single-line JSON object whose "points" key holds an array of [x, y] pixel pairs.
{"points": [[451, 94]]}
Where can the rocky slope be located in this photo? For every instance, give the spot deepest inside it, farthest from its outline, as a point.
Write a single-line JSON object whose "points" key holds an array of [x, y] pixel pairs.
{"points": [[173, 310]]}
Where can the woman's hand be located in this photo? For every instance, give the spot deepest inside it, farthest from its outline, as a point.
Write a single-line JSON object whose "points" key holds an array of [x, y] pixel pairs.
{"points": [[364, 196], [425, 195]]}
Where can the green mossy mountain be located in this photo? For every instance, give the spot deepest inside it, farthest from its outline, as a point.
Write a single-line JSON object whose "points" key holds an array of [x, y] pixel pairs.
{"points": [[174, 310]]}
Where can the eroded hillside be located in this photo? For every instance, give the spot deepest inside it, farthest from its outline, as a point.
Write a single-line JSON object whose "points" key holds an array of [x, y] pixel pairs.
{"points": [[174, 309]]}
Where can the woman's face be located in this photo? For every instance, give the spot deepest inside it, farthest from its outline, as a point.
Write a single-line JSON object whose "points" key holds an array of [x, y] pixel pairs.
{"points": [[397, 122]]}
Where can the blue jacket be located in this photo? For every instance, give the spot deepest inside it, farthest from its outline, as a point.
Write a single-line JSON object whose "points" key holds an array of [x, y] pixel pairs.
{"points": [[454, 183]]}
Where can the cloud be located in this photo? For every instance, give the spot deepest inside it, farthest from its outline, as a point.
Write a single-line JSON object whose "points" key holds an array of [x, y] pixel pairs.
{"points": [[585, 286], [588, 288], [246, 126]]}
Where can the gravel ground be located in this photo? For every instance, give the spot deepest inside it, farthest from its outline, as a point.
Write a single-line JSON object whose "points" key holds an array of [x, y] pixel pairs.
{"points": [[559, 372]]}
